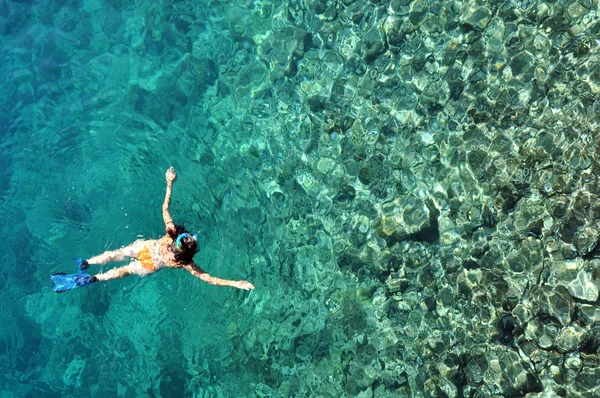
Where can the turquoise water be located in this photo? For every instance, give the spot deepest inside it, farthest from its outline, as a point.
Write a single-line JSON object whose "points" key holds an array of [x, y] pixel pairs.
{"points": [[410, 186]]}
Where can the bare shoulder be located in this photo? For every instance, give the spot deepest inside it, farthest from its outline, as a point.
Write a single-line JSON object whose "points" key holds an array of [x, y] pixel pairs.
{"points": [[166, 240]]}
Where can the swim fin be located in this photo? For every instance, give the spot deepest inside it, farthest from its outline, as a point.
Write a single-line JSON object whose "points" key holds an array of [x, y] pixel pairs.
{"points": [[64, 282], [81, 264]]}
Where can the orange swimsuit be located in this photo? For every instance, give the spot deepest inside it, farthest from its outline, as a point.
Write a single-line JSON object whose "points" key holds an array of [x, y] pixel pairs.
{"points": [[146, 259], [160, 256]]}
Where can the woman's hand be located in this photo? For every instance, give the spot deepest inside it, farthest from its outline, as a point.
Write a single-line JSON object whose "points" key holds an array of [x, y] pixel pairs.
{"points": [[244, 285], [171, 175]]}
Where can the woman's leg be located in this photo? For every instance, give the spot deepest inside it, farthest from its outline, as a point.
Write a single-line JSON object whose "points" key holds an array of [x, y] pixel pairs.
{"points": [[107, 257], [114, 273], [135, 268], [121, 254]]}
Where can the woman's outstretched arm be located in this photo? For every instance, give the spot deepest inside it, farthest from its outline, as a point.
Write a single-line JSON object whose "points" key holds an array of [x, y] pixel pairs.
{"points": [[200, 273], [171, 176]]}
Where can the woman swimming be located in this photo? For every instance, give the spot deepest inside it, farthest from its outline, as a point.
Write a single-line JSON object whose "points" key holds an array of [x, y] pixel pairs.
{"points": [[175, 250]]}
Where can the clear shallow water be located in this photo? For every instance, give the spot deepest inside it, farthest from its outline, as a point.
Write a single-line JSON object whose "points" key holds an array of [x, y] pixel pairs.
{"points": [[408, 185]]}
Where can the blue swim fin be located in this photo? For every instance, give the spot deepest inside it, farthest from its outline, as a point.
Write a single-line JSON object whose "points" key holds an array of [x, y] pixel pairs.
{"points": [[64, 282], [81, 264]]}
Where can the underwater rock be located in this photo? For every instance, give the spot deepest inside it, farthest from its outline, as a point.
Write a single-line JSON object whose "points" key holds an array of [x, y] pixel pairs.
{"points": [[543, 334], [405, 217], [476, 16], [583, 287], [573, 362], [440, 387], [587, 380], [521, 64], [530, 216], [373, 43], [554, 302], [570, 338]]}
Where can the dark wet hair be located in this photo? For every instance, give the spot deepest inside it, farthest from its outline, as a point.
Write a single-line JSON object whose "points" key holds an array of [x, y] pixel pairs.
{"points": [[185, 253]]}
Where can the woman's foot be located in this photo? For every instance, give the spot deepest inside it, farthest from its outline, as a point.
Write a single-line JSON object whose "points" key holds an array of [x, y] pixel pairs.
{"points": [[81, 264], [85, 279]]}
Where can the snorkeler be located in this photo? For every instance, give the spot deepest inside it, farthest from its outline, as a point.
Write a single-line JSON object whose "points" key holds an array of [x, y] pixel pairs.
{"points": [[175, 250]]}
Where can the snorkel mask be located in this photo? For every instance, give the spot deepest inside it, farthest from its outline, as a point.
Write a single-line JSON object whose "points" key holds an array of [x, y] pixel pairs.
{"points": [[180, 237]]}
